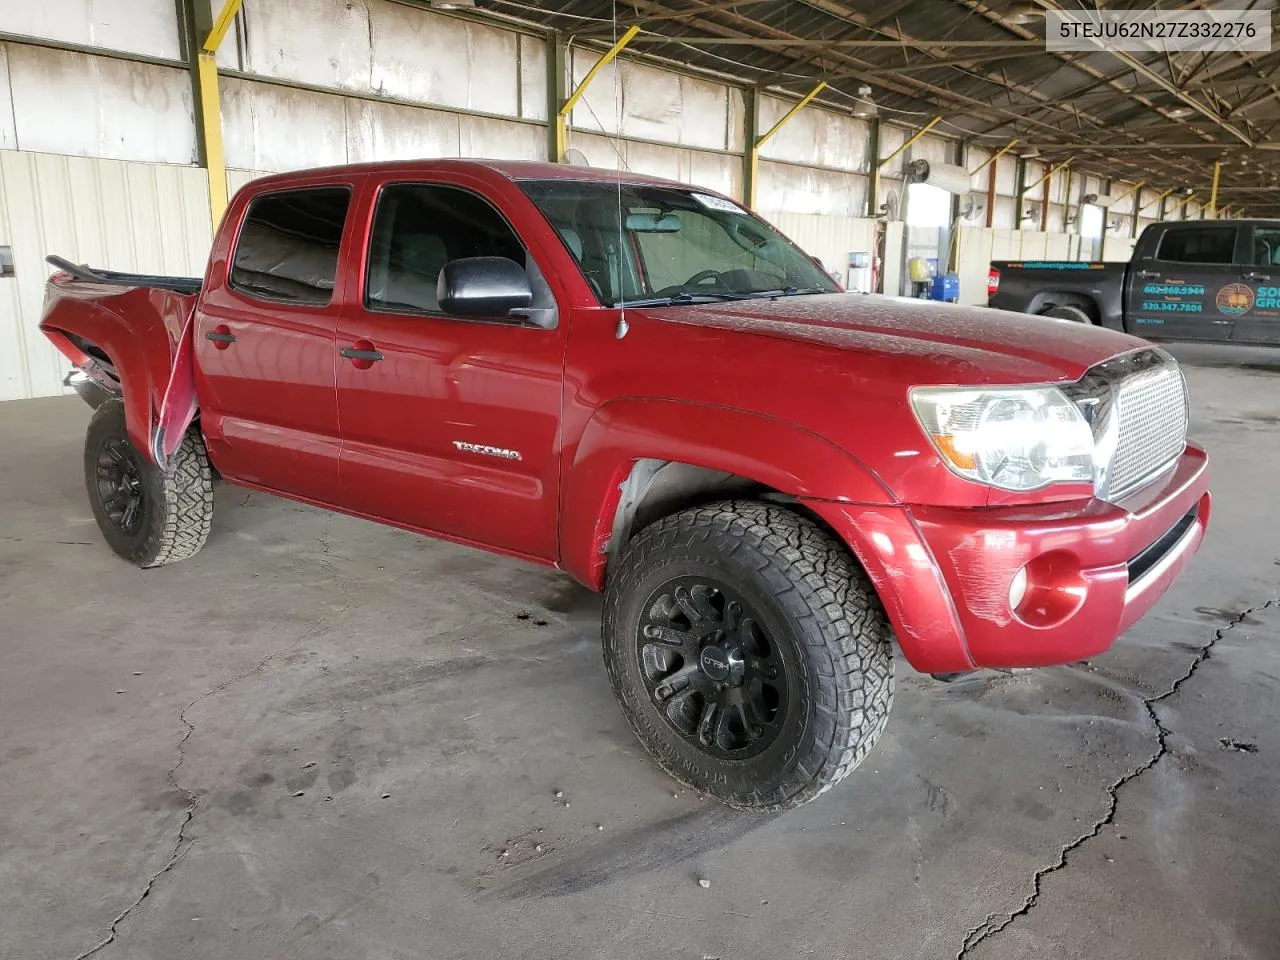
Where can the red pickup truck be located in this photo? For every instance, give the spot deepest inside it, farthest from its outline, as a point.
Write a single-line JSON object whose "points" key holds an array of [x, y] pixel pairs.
{"points": [[645, 385]]}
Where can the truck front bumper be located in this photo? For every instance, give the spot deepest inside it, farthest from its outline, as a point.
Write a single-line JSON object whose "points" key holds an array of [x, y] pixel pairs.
{"points": [[1030, 585]]}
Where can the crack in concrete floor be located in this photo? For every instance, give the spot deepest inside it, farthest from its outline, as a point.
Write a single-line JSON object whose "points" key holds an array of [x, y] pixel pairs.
{"points": [[997, 923], [993, 925], [181, 845]]}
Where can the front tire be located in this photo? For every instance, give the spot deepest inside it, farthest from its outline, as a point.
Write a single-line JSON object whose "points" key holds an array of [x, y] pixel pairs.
{"points": [[147, 515], [749, 653]]}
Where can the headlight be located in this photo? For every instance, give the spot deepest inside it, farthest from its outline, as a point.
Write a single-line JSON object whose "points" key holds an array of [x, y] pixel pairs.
{"points": [[1016, 438]]}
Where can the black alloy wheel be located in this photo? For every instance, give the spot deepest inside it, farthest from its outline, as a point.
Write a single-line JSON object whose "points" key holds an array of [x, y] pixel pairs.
{"points": [[121, 490], [748, 651], [148, 515], [709, 665]]}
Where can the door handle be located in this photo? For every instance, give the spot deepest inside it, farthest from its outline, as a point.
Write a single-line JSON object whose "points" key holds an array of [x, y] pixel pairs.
{"points": [[351, 353], [1257, 276], [361, 354], [221, 336]]}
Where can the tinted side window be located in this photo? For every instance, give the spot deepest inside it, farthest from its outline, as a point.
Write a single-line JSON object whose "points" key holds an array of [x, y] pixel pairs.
{"points": [[288, 245], [1266, 246], [417, 229], [1198, 245]]}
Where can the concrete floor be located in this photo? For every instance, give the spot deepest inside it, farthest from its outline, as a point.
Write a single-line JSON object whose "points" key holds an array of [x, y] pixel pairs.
{"points": [[322, 738]]}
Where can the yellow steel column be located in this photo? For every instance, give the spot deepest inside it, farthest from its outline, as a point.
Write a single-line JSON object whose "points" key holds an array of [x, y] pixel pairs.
{"points": [[562, 115], [1213, 191], [211, 110], [753, 148]]}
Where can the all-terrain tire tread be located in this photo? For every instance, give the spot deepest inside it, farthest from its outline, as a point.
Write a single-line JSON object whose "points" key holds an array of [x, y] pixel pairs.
{"points": [[188, 502], [839, 617], [182, 493]]}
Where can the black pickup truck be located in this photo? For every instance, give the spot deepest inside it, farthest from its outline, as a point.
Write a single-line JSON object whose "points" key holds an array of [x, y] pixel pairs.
{"points": [[1211, 280]]}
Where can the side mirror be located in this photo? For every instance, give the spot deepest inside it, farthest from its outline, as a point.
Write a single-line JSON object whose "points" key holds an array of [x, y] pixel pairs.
{"points": [[483, 287]]}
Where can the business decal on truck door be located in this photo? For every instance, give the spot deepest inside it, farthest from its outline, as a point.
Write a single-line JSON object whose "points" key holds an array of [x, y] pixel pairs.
{"points": [[486, 451], [1170, 295], [1234, 299]]}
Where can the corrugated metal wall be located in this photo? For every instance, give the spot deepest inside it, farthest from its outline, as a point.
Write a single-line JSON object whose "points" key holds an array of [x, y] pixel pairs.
{"points": [[143, 217], [313, 82], [831, 240]]}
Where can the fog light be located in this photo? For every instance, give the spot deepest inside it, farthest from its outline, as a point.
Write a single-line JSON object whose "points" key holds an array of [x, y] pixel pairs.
{"points": [[1018, 589], [1048, 590]]}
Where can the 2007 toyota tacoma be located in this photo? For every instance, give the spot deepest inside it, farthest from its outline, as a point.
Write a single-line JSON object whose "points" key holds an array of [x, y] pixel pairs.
{"points": [[643, 384]]}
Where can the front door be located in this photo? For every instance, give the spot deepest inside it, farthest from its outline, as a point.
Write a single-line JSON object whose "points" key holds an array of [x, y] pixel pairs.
{"points": [[264, 342], [1190, 289], [1261, 322], [449, 424]]}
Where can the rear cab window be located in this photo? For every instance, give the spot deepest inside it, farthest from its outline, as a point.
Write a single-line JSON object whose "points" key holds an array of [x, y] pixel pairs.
{"points": [[1207, 244], [287, 249]]}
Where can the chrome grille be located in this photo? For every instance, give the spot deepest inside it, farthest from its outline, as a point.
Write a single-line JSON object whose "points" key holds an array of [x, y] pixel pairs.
{"points": [[1137, 407], [1151, 411]]}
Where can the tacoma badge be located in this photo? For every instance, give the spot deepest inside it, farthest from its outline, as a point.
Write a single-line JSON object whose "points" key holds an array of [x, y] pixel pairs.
{"points": [[487, 451]]}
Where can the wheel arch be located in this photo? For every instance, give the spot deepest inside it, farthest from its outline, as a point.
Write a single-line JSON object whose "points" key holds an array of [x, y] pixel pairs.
{"points": [[639, 460], [119, 370], [1049, 300], [136, 331]]}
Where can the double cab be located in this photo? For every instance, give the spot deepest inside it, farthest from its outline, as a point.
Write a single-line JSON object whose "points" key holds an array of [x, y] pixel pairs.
{"points": [[643, 384]]}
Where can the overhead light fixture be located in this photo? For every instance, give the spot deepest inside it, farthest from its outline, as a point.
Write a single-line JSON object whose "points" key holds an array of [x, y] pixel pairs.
{"points": [[1031, 153], [1178, 113], [1021, 13], [451, 4], [865, 106]]}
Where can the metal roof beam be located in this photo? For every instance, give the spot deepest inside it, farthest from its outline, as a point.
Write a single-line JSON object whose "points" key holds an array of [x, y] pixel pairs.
{"points": [[1168, 86]]}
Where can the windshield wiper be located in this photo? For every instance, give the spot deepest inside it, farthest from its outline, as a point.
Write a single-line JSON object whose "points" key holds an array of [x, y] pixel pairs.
{"points": [[708, 297], [680, 299], [787, 292]]}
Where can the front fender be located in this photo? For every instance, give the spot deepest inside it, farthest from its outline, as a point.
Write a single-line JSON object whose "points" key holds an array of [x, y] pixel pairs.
{"points": [[776, 454]]}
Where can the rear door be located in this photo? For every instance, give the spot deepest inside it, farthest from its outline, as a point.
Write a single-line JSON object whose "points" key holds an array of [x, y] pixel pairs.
{"points": [[265, 346], [449, 424], [1190, 289], [1261, 322]]}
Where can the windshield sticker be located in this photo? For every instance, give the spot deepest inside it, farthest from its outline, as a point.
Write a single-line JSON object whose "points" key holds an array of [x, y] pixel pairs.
{"points": [[718, 204]]}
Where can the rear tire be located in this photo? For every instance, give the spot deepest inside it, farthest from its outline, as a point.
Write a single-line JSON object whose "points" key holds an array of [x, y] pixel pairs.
{"points": [[1072, 313], [147, 515], [749, 652]]}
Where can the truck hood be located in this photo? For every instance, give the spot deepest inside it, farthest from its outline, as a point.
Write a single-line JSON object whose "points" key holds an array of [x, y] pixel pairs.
{"points": [[974, 345]]}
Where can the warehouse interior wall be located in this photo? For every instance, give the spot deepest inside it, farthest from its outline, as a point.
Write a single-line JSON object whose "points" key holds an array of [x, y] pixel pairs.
{"points": [[831, 240], [100, 153], [122, 215]]}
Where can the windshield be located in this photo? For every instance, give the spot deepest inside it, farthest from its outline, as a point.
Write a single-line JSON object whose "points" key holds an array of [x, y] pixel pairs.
{"points": [[672, 245]]}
